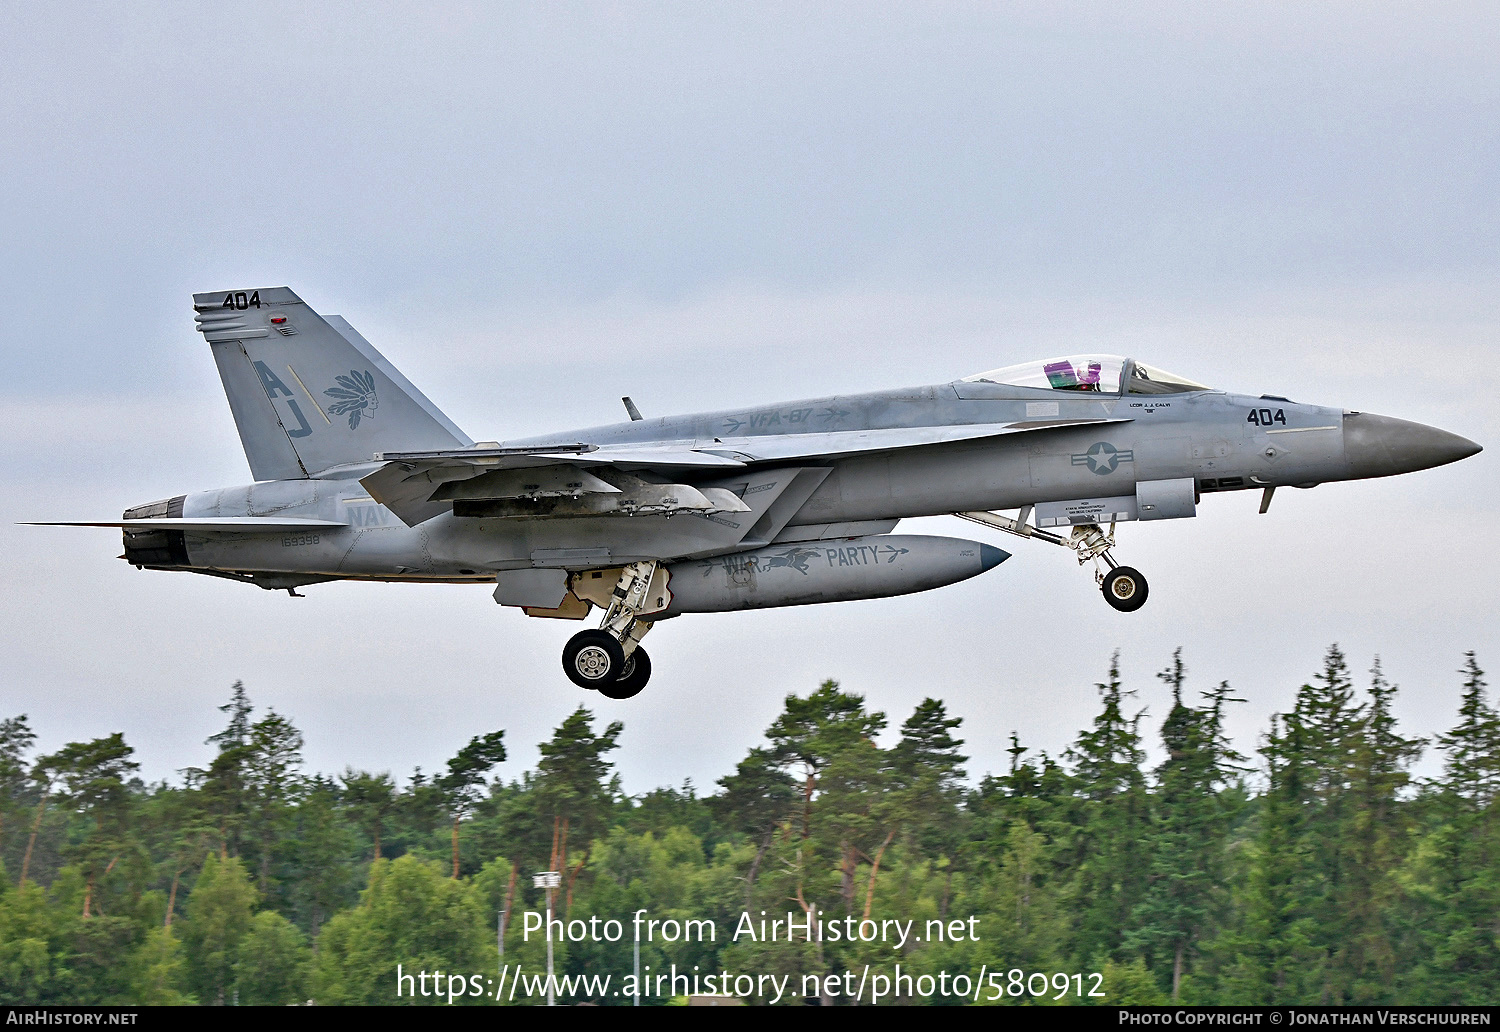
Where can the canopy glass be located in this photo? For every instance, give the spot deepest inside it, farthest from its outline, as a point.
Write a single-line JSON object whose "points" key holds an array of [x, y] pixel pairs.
{"points": [[1099, 374]]}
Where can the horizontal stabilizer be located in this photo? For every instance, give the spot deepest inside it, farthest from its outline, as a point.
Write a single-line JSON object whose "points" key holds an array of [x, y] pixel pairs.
{"points": [[220, 524]]}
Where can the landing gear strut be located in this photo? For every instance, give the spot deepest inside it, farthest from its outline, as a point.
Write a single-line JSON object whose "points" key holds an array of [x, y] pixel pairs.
{"points": [[1123, 587], [610, 659]]}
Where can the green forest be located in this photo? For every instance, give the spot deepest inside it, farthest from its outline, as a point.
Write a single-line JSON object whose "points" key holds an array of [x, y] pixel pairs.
{"points": [[1316, 869]]}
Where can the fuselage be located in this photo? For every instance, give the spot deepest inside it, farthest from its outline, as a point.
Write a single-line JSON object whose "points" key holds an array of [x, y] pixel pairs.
{"points": [[1218, 440], [360, 477]]}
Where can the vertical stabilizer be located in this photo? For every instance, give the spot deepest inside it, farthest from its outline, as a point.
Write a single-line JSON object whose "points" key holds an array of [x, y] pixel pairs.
{"points": [[310, 393]]}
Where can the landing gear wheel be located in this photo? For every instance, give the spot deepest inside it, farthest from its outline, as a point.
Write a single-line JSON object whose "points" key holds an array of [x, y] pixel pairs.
{"points": [[1125, 589], [593, 659], [633, 677]]}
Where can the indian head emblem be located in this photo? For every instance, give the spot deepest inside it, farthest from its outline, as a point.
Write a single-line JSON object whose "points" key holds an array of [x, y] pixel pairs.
{"points": [[354, 396]]}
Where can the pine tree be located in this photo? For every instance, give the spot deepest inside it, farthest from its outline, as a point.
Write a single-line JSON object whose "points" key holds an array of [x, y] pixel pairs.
{"points": [[810, 731], [575, 786], [319, 858], [924, 793], [756, 799], [371, 797], [94, 776], [829, 738], [929, 772], [467, 772]]}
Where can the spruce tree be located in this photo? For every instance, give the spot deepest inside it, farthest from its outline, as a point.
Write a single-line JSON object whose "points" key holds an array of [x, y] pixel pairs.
{"points": [[1459, 863], [16, 738], [1111, 851], [1328, 725], [1270, 955], [1377, 833], [1193, 814], [273, 751]]}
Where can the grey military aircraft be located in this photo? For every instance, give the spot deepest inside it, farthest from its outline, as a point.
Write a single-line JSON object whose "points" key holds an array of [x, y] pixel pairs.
{"points": [[359, 477]]}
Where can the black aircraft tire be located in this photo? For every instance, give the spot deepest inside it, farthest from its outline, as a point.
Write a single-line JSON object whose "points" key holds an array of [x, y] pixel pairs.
{"points": [[632, 679], [1125, 589], [593, 659]]}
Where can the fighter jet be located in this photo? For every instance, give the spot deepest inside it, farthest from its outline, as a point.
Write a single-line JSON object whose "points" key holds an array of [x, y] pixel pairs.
{"points": [[357, 476]]}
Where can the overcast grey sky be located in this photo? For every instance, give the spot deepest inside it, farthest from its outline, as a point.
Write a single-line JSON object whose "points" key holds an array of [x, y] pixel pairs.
{"points": [[533, 209]]}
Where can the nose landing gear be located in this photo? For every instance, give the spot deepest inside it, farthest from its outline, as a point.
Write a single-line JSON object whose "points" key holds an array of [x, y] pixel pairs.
{"points": [[1123, 587]]}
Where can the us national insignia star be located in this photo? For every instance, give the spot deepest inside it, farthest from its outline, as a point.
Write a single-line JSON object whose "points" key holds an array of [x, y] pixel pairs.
{"points": [[1103, 458]]}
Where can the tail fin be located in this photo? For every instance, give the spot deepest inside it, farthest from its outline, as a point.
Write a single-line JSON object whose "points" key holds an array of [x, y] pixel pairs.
{"points": [[310, 393]]}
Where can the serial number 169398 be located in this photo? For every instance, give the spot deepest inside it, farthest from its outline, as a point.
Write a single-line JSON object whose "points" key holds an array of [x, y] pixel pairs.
{"points": [[293, 540]]}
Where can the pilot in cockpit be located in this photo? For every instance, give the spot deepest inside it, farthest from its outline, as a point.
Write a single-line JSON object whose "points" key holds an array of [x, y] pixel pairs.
{"points": [[1062, 375], [1099, 374]]}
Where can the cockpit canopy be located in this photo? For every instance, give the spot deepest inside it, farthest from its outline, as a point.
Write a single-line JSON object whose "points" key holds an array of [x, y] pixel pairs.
{"points": [[1102, 374]]}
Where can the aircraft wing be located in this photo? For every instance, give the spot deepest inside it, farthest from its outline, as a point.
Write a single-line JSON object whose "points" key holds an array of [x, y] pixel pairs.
{"points": [[592, 480], [667, 455], [213, 524], [548, 481], [778, 447]]}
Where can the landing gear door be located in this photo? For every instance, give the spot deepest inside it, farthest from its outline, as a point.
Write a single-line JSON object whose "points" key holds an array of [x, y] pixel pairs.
{"points": [[1084, 511], [1166, 499]]}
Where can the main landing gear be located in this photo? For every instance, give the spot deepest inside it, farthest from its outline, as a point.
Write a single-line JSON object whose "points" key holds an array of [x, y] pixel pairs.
{"points": [[610, 660], [1123, 587]]}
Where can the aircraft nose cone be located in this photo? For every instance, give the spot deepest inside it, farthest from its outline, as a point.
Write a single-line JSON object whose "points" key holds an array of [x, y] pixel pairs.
{"points": [[991, 557], [1380, 446]]}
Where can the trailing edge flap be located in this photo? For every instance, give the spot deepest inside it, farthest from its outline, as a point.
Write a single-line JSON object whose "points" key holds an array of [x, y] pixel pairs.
{"points": [[214, 524], [413, 485]]}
